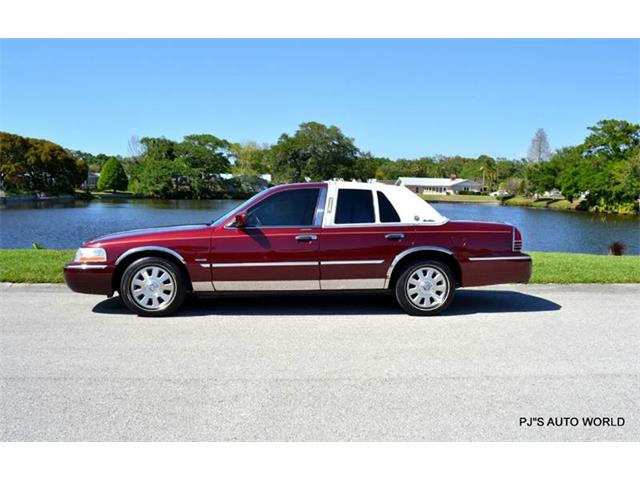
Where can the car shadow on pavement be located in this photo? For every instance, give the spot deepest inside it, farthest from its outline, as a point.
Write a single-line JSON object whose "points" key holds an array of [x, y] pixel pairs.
{"points": [[466, 302]]}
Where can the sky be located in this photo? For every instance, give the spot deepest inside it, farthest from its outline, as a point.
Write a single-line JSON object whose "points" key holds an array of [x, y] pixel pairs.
{"points": [[396, 98]]}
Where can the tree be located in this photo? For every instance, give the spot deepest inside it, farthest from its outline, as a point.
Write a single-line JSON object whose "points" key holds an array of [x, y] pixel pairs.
{"points": [[250, 159], [612, 138], [539, 150], [316, 152], [35, 165], [154, 174], [204, 152], [488, 170], [113, 176]]}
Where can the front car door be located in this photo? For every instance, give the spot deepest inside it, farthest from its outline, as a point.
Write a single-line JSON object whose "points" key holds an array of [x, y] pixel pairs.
{"points": [[278, 249], [362, 235]]}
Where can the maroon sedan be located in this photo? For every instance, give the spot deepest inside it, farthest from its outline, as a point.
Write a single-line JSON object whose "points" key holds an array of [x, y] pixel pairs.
{"points": [[311, 236]]}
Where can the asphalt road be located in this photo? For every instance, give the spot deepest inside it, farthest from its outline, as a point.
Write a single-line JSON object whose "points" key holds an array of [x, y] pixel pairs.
{"points": [[78, 367]]}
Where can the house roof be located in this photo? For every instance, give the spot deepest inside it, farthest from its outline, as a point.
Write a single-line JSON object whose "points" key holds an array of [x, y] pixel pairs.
{"points": [[432, 182]]}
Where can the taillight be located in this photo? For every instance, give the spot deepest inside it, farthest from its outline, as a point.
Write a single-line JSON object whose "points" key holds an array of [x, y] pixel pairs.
{"points": [[517, 240]]}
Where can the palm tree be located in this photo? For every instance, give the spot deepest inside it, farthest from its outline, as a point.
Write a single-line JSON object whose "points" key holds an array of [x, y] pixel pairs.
{"points": [[489, 171]]}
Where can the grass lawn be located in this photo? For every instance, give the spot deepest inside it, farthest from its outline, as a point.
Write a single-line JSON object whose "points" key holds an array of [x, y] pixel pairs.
{"points": [[460, 198], [45, 266], [551, 267], [543, 203], [33, 266]]}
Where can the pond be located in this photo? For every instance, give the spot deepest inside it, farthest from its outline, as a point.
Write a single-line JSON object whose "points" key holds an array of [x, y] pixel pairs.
{"points": [[65, 224]]}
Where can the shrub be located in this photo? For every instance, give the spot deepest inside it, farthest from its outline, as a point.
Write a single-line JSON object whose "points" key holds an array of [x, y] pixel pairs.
{"points": [[113, 176]]}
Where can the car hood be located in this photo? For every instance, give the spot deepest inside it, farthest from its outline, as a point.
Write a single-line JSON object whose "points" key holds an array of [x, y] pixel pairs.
{"points": [[144, 232]]}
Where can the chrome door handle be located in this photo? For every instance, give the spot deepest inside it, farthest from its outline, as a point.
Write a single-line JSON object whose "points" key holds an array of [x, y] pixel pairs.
{"points": [[306, 238], [394, 236]]}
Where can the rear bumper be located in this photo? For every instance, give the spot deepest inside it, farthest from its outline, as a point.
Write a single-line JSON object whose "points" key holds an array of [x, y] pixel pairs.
{"points": [[496, 270], [95, 279]]}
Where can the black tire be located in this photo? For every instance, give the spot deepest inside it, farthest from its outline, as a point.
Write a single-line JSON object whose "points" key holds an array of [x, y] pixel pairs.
{"points": [[443, 282], [148, 273]]}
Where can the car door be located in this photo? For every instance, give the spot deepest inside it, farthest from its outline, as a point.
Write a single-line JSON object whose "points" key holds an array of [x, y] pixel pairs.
{"points": [[362, 236], [277, 250]]}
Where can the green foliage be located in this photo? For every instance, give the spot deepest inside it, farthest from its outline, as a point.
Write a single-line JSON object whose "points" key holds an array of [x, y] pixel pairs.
{"points": [[250, 159], [113, 176], [605, 168], [187, 169], [204, 153], [94, 162], [34, 165], [315, 152]]}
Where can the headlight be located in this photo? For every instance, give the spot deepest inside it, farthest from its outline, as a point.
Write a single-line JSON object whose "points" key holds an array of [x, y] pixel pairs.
{"points": [[91, 255]]}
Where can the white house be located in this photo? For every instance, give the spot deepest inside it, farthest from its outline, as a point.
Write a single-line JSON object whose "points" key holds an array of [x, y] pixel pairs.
{"points": [[439, 186]]}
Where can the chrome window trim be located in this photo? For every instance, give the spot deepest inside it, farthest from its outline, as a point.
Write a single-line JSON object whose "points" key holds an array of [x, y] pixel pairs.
{"points": [[485, 259], [86, 266], [263, 264], [319, 216], [404, 253], [150, 248], [351, 262]]}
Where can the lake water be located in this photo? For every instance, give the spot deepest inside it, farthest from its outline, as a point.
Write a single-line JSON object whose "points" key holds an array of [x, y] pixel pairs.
{"points": [[56, 224]]}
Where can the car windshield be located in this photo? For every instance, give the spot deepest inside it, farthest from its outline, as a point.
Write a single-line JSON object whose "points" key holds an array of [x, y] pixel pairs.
{"points": [[219, 220]]}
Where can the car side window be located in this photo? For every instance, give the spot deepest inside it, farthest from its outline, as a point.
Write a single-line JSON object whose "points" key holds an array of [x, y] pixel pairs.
{"points": [[285, 209], [388, 214], [354, 206]]}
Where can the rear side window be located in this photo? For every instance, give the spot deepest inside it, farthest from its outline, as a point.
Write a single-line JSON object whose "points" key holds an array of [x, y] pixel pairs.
{"points": [[354, 206], [287, 208], [387, 212]]}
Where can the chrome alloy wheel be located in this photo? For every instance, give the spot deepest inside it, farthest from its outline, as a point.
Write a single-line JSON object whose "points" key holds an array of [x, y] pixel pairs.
{"points": [[153, 288], [427, 288]]}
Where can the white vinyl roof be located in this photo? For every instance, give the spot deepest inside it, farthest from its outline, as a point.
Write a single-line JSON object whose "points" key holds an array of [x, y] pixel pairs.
{"points": [[410, 207]]}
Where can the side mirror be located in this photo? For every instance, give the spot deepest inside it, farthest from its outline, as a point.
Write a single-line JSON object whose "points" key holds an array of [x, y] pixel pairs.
{"points": [[241, 220]]}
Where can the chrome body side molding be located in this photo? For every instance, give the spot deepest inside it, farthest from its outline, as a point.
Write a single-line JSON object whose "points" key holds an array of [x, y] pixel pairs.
{"points": [[401, 255], [260, 264], [266, 285], [202, 286], [353, 284], [150, 248], [351, 262], [486, 259]]}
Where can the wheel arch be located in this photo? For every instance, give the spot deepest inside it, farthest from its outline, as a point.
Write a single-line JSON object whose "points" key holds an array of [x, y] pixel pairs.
{"points": [[133, 254], [412, 255]]}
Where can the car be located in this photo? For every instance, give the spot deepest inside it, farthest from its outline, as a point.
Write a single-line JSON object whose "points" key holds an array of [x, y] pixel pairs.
{"points": [[499, 193], [326, 236]]}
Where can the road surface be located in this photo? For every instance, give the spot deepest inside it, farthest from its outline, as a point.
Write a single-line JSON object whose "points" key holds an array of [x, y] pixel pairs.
{"points": [[79, 367]]}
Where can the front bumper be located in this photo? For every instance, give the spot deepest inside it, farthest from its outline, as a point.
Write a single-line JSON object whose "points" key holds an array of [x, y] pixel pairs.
{"points": [[89, 278], [498, 270]]}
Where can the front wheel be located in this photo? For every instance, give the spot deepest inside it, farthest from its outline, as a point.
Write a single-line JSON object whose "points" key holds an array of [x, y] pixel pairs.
{"points": [[425, 288], [152, 287]]}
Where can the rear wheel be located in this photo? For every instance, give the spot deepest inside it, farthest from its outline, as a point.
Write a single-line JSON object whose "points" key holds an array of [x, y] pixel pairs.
{"points": [[425, 288], [152, 287]]}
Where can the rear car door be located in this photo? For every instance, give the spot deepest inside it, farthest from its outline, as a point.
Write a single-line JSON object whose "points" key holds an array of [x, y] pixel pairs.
{"points": [[277, 250], [362, 236]]}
